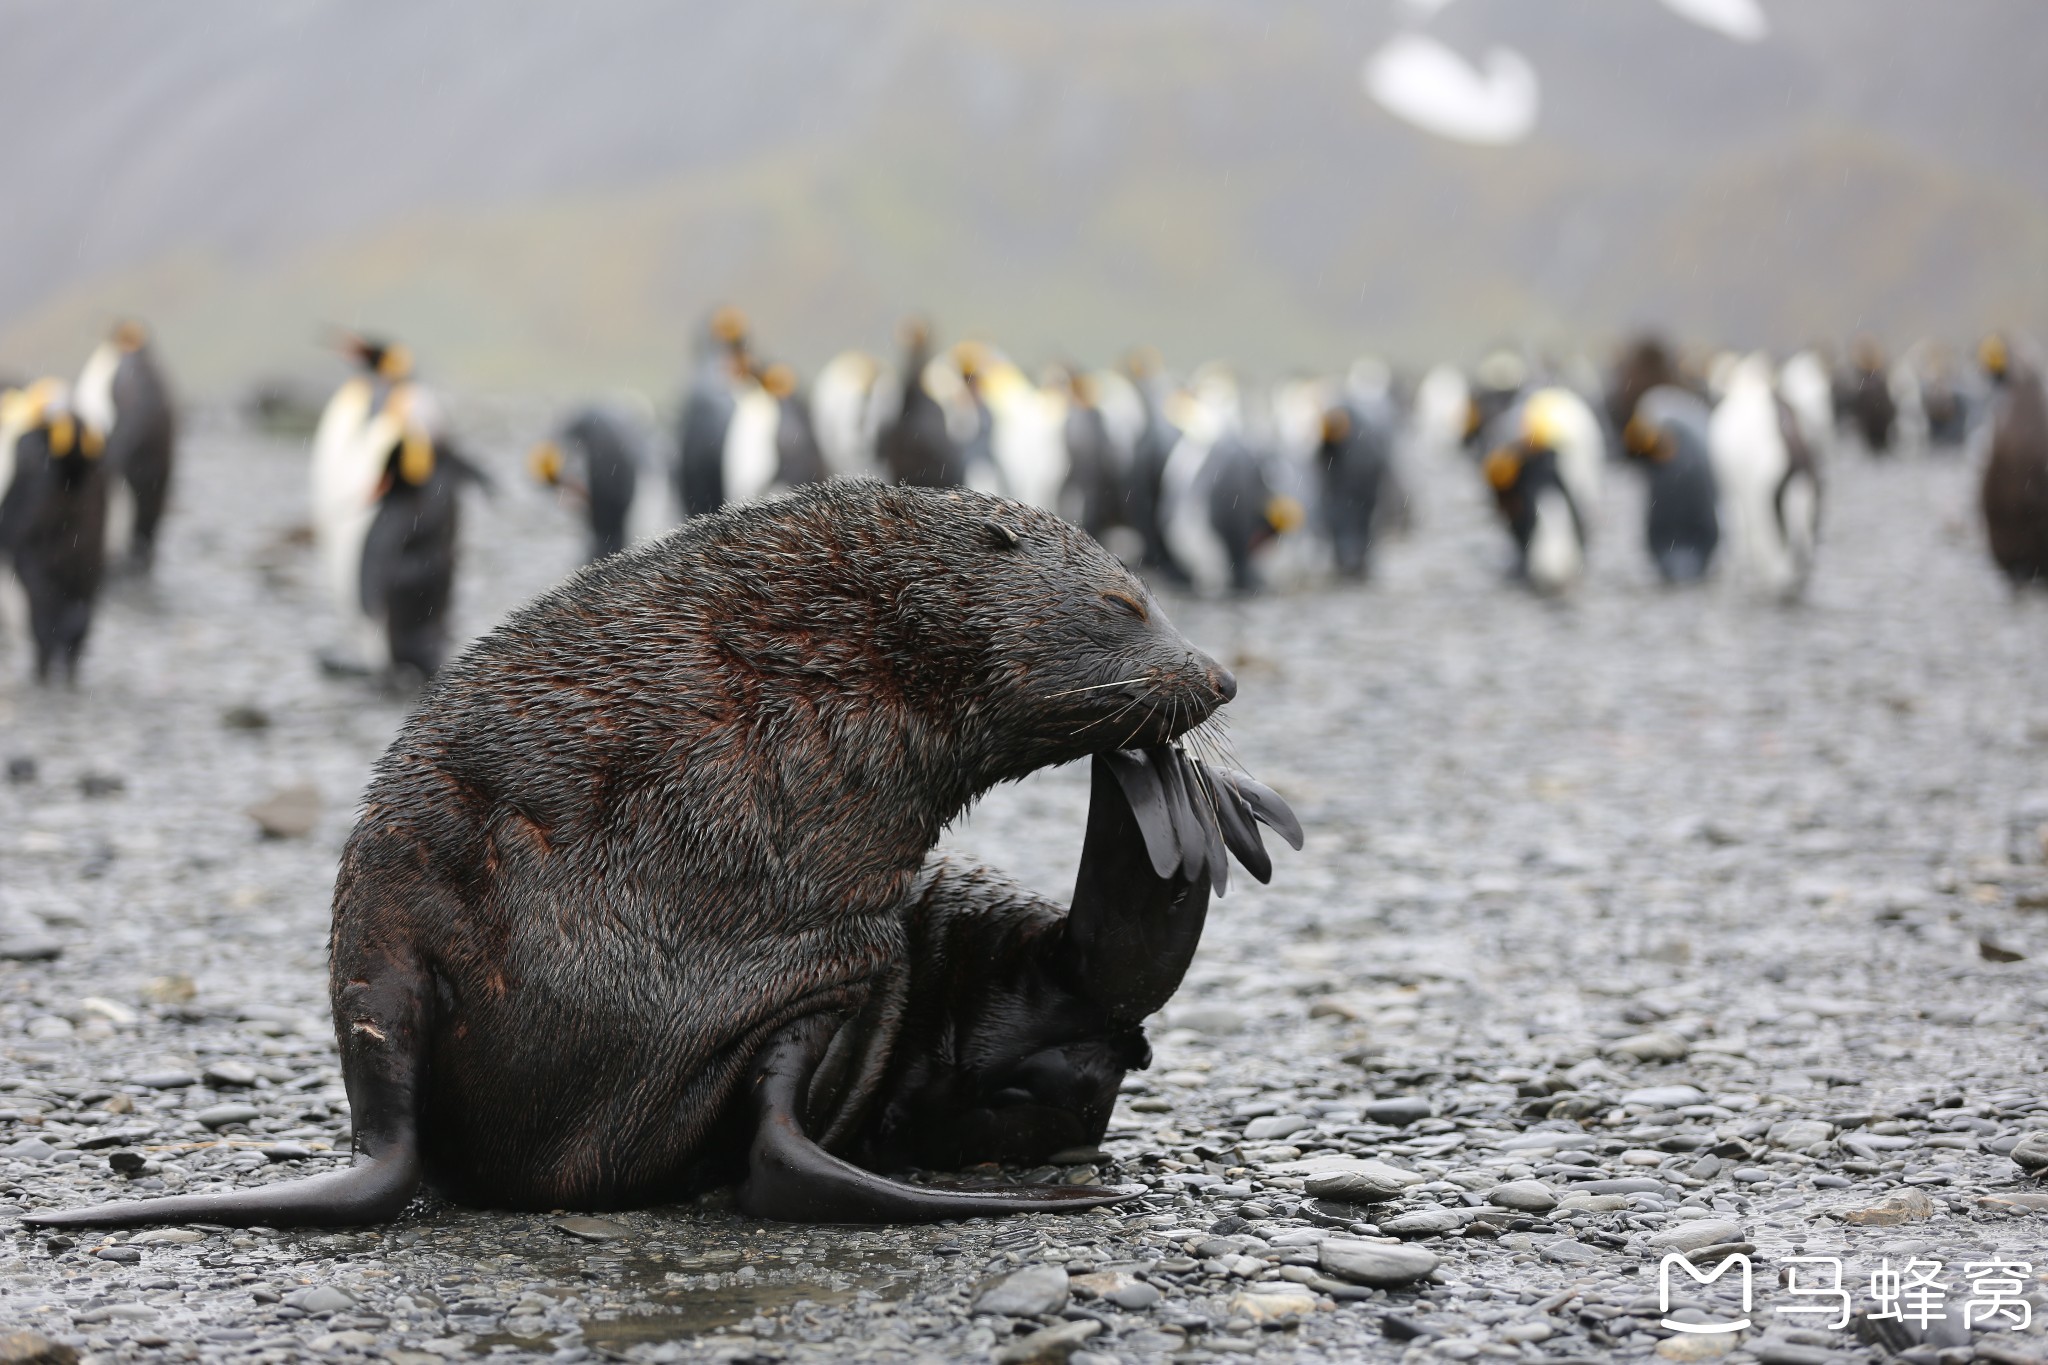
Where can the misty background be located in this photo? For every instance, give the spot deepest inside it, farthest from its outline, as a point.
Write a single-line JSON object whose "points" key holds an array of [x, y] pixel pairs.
{"points": [[552, 197]]}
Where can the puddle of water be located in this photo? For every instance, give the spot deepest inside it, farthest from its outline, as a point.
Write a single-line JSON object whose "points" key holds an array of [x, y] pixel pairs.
{"points": [[702, 1292]]}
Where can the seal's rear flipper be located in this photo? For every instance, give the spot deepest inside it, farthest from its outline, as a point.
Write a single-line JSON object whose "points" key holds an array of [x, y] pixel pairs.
{"points": [[792, 1179], [371, 1192], [383, 1048]]}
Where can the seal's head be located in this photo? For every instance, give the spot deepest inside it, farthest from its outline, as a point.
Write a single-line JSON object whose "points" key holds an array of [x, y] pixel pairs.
{"points": [[1079, 657], [990, 637]]}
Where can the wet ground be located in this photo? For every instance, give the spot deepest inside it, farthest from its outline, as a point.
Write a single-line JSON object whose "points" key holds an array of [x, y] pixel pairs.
{"points": [[1640, 922]]}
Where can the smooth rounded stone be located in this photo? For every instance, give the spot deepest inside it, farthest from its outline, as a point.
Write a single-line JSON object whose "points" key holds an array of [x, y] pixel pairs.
{"points": [[1050, 1346], [229, 1074], [1795, 1133], [350, 1340], [1273, 1305], [1399, 1111], [1571, 1251], [1136, 1296], [1527, 1196], [1423, 1223], [30, 946], [1690, 1347], [1276, 1126], [120, 1255], [1355, 1180], [154, 1237], [1034, 1291], [320, 1300], [1377, 1264], [1664, 1096], [233, 1111], [33, 1348], [1751, 1175], [29, 1149], [2030, 1153], [1533, 1331], [1696, 1233], [287, 1151], [1626, 1184], [1907, 1206], [590, 1229], [1212, 1019], [116, 1312], [1654, 1046], [165, 1080], [288, 813], [1593, 1203]]}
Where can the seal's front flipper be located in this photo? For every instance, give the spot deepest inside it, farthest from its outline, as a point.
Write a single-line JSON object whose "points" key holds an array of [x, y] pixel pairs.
{"points": [[793, 1179]]}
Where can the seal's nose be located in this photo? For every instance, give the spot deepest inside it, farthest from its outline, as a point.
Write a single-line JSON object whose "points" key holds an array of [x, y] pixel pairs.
{"points": [[1223, 680]]}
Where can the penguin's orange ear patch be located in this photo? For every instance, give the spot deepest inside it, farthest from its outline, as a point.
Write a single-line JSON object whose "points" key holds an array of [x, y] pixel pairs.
{"points": [[545, 461], [1336, 426], [1502, 468], [63, 434], [416, 458], [1639, 437], [90, 442]]}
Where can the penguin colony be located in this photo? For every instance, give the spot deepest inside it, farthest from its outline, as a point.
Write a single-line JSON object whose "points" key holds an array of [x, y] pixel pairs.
{"points": [[1203, 483]]}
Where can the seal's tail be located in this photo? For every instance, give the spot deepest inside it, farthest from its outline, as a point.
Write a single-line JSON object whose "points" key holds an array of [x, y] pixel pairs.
{"points": [[381, 1014]]}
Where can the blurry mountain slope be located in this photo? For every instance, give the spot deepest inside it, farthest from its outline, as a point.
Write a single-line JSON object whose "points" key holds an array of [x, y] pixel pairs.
{"points": [[552, 195]]}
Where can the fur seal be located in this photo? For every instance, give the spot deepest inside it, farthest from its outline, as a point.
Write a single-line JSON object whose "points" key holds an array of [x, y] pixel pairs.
{"points": [[640, 901]]}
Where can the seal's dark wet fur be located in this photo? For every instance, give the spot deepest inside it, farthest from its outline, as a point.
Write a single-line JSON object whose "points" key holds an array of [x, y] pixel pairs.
{"points": [[667, 828]]}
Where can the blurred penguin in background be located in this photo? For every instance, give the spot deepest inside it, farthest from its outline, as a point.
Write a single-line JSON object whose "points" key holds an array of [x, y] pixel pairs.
{"points": [[1545, 474], [1667, 435], [122, 392], [1496, 386], [53, 519], [1804, 385], [916, 446], [1864, 400], [799, 459], [1150, 450], [1354, 469], [1644, 364], [850, 402], [408, 556], [1221, 504], [1093, 495], [347, 470], [1769, 479], [707, 413], [2015, 488], [595, 460]]}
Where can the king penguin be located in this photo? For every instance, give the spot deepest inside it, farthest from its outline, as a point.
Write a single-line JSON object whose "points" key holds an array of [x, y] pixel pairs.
{"points": [[1667, 434], [594, 459], [121, 391], [2015, 488], [707, 414], [407, 576], [53, 519], [1545, 474], [1769, 480]]}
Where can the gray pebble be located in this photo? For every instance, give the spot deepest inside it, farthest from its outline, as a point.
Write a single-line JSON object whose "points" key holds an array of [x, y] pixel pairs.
{"points": [[1700, 1232], [233, 1111], [1423, 1223], [321, 1300], [1377, 1264], [1276, 1126], [592, 1229], [1032, 1292], [225, 1074], [1400, 1111], [1529, 1196]]}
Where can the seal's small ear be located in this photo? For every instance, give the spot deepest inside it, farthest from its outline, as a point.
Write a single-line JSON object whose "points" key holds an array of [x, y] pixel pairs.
{"points": [[1000, 537]]}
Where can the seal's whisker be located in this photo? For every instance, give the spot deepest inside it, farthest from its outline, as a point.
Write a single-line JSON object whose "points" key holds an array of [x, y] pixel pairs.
{"points": [[1134, 701], [1093, 687]]}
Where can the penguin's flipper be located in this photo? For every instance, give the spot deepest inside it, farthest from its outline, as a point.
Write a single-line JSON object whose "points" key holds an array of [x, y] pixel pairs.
{"points": [[792, 1179]]}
